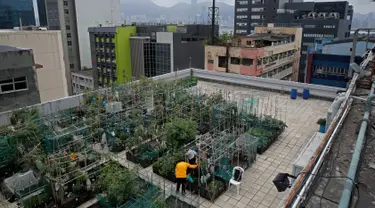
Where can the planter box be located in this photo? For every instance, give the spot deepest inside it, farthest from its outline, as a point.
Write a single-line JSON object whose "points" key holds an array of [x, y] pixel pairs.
{"points": [[144, 162], [170, 176], [213, 196]]}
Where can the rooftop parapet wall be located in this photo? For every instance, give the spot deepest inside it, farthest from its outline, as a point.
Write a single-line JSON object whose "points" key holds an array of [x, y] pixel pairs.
{"points": [[231, 79]]}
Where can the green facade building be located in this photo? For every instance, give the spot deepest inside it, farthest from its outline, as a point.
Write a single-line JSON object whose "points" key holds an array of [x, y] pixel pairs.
{"points": [[113, 49]]}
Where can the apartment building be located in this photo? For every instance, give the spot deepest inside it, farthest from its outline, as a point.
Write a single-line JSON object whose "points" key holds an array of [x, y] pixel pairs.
{"points": [[318, 20], [270, 52], [18, 84], [121, 54], [61, 15], [48, 53], [254, 13], [94, 13], [82, 80]]}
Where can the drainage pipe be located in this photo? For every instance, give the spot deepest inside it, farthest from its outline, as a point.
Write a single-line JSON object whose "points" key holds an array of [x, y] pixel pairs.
{"points": [[348, 188], [335, 108], [311, 176]]}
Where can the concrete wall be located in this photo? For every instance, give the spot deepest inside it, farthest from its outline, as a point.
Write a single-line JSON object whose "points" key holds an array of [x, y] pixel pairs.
{"points": [[187, 53], [106, 13], [137, 55], [16, 64], [268, 84], [48, 51], [344, 48]]}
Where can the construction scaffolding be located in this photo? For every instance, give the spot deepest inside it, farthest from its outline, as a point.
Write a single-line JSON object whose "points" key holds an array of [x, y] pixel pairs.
{"points": [[144, 123]]}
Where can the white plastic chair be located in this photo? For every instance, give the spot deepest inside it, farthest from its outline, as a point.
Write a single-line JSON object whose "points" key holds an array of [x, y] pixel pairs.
{"points": [[237, 181]]}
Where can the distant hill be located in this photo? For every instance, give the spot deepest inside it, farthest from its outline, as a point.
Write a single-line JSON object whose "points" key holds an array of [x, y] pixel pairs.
{"points": [[179, 11], [184, 11], [363, 20]]}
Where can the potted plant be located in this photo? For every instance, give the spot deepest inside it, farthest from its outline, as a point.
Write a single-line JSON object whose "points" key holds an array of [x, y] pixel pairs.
{"points": [[322, 122]]}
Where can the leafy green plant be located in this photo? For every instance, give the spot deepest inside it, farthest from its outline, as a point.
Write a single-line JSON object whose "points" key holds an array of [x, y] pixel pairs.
{"points": [[214, 188], [322, 121], [179, 132], [118, 183]]}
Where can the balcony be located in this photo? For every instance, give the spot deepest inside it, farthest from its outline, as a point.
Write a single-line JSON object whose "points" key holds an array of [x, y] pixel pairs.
{"points": [[277, 63], [283, 73]]}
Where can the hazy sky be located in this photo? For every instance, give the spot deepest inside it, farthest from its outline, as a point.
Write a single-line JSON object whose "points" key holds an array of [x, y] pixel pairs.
{"points": [[360, 6]]}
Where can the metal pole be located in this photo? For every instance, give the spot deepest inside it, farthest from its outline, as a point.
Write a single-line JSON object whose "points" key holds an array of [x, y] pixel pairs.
{"points": [[213, 22], [346, 194]]}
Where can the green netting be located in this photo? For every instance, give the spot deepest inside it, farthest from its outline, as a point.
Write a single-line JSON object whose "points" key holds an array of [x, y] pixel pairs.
{"points": [[146, 200], [8, 151]]}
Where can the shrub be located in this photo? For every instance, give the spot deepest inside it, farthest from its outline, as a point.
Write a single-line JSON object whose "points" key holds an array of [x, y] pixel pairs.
{"points": [[179, 132], [322, 121], [118, 183]]}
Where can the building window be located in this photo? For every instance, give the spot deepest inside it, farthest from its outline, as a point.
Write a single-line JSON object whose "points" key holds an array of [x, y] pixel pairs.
{"points": [[247, 62], [241, 31], [235, 60], [257, 9], [71, 66], [69, 42], [222, 61], [67, 27], [69, 35], [259, 62], [241, 9], [329, 26], [254, 24], [210, 61], [13, 85], [66, 11], [65, 3], [256, 16], [309, 26], [241, 16], [242, 2], [241, 24]]}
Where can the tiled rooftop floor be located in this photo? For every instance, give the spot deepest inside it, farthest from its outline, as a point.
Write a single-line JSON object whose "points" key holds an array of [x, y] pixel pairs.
{"points": [[257, 189]]}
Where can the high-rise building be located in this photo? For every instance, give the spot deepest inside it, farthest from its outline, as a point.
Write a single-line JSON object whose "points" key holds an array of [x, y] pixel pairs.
{"points": [[253, 13], [15, 13], [48, 53], [270, 52], [61, 15], [121, 54], [94, 13], [42, 12], [318, 20], [18, 84]]}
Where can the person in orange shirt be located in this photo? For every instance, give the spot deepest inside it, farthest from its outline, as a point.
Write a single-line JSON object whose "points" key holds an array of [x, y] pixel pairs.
{"points": [[181, 169]]}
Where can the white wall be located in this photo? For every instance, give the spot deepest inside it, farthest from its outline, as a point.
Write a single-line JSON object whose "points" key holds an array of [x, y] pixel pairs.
{"points": [[48, 51], [91, 13]]}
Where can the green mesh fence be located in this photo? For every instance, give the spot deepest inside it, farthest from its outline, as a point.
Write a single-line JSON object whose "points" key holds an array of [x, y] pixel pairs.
{"points": [[8, 151]]}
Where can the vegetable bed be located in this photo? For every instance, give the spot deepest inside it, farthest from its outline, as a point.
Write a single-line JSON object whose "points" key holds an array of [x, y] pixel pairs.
{"points": [[267, 133], [145, 154], [165, 166]]}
